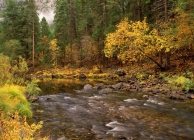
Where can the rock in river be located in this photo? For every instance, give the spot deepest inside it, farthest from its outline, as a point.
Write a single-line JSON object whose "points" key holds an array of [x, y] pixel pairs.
{"points": [[105, 90], [87, 87]]}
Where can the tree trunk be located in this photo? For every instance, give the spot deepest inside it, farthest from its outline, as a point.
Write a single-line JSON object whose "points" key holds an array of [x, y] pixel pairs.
{"points": [[167, 57], [33, 42]]}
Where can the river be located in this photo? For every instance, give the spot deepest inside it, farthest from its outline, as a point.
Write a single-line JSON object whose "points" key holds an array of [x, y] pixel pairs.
{"points": [[70, 112]]}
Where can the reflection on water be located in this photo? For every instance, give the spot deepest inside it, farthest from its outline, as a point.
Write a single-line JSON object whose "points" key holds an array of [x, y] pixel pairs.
{"points": [[120, 115]]}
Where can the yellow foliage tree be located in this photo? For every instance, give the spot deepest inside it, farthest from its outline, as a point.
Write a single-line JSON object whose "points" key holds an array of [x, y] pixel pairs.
{"points": [[133, 41], [54, 50]]}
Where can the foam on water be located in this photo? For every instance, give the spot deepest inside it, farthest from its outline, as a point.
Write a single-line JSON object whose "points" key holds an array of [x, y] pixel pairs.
{"points": [[66, 97], [130, 100], [113, 124], [152, 101]]}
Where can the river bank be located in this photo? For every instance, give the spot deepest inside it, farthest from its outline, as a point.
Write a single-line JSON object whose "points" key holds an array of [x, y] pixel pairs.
{"points": [[146, 82]]}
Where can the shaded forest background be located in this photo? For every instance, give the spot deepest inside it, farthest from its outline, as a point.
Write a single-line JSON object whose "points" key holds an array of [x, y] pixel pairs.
{"points": [[100, 33]]}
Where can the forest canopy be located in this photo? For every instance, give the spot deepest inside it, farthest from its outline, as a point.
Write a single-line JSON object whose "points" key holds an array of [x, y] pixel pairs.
{"points": [[88, 33]]}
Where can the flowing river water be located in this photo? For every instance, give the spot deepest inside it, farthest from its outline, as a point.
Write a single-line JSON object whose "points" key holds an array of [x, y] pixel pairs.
{"points": [[70, 112]]}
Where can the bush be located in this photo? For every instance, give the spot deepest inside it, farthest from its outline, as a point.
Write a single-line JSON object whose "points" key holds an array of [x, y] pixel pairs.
{"points": [[182, 82], [5, 69], [15, 127], [32, 88], [12, 99]]}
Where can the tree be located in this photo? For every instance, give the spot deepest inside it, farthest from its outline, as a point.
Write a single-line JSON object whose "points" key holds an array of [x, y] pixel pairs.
{"points": [[31, 26], [21, 23], [54, 50], [134, 39], [61, 22], [45, 31]]}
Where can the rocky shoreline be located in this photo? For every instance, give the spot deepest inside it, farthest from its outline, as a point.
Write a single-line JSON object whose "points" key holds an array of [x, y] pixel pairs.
{"points": [[153, 85], [156, 86]]}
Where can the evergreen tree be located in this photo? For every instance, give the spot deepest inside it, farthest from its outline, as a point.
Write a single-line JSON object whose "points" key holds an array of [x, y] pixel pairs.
{"points": [[21, 23], [45, 31]]}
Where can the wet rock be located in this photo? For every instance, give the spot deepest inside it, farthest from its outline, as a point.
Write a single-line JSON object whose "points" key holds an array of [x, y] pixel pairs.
{"points": [[154, 91], [105, 90], [62, 138], [82, 76], [48, 98], [145, 96], [117, 86], [126, 86], [122, 138], [190, 96], [87, 87], [33, 99], [176, 95], [99, 86]]}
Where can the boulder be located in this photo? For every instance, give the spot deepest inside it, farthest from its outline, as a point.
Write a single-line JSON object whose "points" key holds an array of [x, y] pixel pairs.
{"points": [[105, 90], [117, 86], [177, 95], [87, 87], [99, 86], [190, 96]]}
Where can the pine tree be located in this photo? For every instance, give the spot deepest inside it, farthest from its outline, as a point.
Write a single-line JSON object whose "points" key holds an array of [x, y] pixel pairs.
{"points": [[31, 28], [45, 30]]}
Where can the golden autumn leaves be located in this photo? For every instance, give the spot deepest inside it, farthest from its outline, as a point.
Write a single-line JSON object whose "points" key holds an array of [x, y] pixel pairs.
{"points": [[132, 41]]}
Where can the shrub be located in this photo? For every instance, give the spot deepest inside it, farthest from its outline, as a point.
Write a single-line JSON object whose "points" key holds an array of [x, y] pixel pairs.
{"points": [[15, 127], [182, 82], [12, 99], [32, 88]]}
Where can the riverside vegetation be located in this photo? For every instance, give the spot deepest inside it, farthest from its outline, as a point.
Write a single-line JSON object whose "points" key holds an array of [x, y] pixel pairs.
{"points": [[14, 107]]}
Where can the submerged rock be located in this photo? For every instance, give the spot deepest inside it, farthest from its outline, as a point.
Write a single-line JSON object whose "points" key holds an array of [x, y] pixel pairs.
{"points": [[145, 96], [105, 90]]}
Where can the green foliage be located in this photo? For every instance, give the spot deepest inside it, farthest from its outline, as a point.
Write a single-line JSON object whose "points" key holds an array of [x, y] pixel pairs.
{"points": [[142, 76], [32, 88], [5, 69], [21, 66], [12, 99], [19, 18], [182, 82], [45, 31], [12, 48]]}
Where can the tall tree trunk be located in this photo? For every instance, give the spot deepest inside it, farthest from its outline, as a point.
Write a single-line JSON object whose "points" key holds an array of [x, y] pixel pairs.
{"points": [[167, 62], [139, 10], [73, 32], [33, 42]]}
